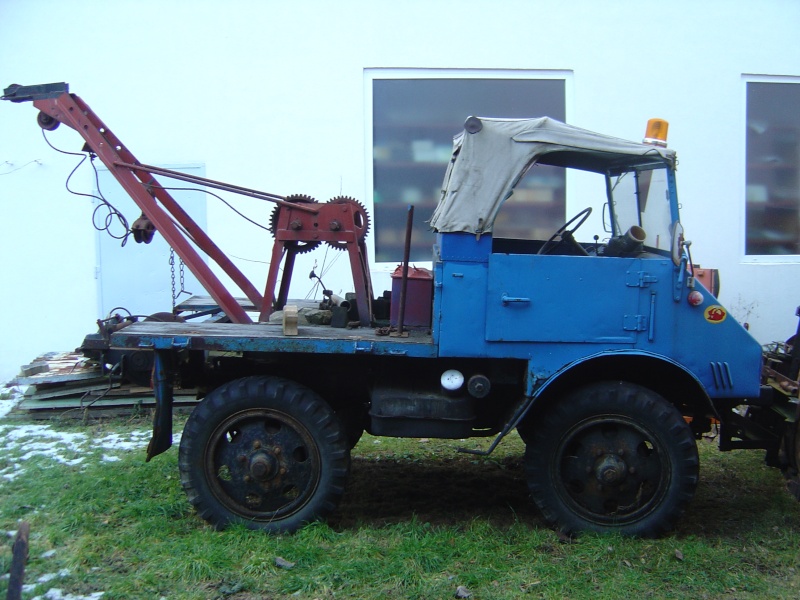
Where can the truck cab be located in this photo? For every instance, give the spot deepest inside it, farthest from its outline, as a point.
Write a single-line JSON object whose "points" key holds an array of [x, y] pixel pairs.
{"points": [[625, 299]]}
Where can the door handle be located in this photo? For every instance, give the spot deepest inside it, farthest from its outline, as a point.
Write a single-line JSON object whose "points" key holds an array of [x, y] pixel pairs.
{"points": [[506, 299]]}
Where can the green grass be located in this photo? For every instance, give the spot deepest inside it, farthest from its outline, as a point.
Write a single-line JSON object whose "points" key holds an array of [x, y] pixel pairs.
{"points": [[418, 521]]}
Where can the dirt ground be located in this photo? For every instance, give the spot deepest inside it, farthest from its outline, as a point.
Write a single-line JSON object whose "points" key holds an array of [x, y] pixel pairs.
{"points": [[440, 491], [449, 488]]}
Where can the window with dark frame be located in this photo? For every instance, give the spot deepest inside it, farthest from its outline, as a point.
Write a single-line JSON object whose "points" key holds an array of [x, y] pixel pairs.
{"points": [[413, 124], [772, 213]]}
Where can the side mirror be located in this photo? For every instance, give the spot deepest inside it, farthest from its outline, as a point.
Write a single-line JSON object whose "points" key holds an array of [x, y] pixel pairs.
{"points": [[677, 243]]}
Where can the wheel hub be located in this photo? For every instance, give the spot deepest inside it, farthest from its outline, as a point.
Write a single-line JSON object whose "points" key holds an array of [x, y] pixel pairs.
{"points": [[610, 469], [263, 466]]}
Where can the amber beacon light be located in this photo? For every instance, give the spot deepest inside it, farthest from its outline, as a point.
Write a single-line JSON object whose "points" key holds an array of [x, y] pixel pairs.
{"points": [[656, 133]]}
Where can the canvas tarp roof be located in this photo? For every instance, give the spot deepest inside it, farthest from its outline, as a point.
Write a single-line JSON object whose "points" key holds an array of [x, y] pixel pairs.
{"points": [[487, 164]]}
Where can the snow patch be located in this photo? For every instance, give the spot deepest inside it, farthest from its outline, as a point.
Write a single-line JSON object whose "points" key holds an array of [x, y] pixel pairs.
{"points": [[57, 594], [50, 576]]}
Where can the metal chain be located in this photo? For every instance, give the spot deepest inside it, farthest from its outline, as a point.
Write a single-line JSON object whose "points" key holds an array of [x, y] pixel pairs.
{"points": [[181, 275], [182, 278], [172, 276]]}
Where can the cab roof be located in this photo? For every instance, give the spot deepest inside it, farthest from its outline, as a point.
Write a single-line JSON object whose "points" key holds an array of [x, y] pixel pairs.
{"points": [[491, 155]]}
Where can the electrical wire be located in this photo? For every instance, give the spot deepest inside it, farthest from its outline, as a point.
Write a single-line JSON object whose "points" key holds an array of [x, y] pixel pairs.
{"points": [[226, 203], [323, 271], [220, 198], [112, 214], [111, 312], [35, 160], [252, 260]]}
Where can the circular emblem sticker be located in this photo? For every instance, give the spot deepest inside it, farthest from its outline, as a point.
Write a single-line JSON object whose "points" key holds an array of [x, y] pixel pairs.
{"points": [[715, 314]]}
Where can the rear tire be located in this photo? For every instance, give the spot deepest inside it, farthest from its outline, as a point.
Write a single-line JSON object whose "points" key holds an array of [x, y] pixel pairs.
{"points": [[265, 452], [790, 452], [612, 457]]}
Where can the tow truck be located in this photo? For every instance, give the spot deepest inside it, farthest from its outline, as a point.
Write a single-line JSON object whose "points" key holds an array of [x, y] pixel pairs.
{"points": [[608, 357]]}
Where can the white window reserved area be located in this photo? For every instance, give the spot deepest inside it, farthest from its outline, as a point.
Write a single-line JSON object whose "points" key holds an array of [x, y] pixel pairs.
{"points": [[416, 113], [772, 213]]}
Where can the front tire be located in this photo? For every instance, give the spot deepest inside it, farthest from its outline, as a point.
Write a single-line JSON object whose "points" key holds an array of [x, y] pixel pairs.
{"points": [[265, 452], [612, 457]]}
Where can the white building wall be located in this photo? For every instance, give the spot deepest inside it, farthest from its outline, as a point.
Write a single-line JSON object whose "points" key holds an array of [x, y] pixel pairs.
{"points": [[270, 95]]}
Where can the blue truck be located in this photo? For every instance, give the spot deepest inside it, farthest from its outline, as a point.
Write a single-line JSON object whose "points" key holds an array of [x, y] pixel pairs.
{"points": [[608, 357]]}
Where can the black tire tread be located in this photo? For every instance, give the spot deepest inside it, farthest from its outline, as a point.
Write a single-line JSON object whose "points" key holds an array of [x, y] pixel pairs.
{"points": [[284, 395], [624, 399]]}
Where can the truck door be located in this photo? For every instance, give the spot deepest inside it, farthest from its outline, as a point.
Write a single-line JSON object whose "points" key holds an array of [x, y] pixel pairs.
{"points": [[575, 299]]}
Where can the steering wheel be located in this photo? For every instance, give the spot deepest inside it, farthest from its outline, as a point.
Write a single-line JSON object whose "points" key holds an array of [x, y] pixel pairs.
{"points": [[567, 234]]}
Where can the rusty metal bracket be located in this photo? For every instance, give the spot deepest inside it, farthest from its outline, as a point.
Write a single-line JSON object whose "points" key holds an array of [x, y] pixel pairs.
{"points": [[27, 93]]}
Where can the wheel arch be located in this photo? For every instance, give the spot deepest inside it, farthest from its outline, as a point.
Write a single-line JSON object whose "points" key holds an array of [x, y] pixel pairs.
{"points": [[671, 380]]}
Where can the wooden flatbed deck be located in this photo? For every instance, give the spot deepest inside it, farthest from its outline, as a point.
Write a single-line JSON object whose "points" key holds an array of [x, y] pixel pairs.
{"points": [[268, 337]]}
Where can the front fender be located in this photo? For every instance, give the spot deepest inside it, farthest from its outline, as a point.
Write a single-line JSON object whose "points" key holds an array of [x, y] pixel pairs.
{"points": [[664, 375]]}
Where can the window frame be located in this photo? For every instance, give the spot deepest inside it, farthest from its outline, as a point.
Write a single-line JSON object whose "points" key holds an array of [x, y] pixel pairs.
{"points": [[757, 258], [380, 73]]}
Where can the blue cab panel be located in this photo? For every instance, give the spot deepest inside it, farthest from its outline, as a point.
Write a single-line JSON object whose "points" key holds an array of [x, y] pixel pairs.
{"points": [[556, 311]]}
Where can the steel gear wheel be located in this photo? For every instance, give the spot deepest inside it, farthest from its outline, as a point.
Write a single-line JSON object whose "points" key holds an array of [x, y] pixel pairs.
{"points": [[299, 247], [361, 219]]}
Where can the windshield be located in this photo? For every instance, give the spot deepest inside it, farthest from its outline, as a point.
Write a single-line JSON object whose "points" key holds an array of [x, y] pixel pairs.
{"points": [[641, 197]]}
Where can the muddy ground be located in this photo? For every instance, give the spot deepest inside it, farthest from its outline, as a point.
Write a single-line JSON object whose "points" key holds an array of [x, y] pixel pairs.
{"points": [[441, 491], [448, 488]]}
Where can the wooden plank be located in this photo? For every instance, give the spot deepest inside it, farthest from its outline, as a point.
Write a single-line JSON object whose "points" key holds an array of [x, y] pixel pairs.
{"points": [[104, 402], [268, 338], [290, 320], [50, 393], [58, 378], [198, 303], [19, 556], [60, 367], [261, 331], [33, 369]]}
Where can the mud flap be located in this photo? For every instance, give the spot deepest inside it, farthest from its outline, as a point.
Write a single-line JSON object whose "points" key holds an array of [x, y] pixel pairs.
{"points": [[162, 419]]}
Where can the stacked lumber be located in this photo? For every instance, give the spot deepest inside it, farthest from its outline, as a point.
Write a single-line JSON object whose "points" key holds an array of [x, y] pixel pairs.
{"points": [[64, 381]]}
